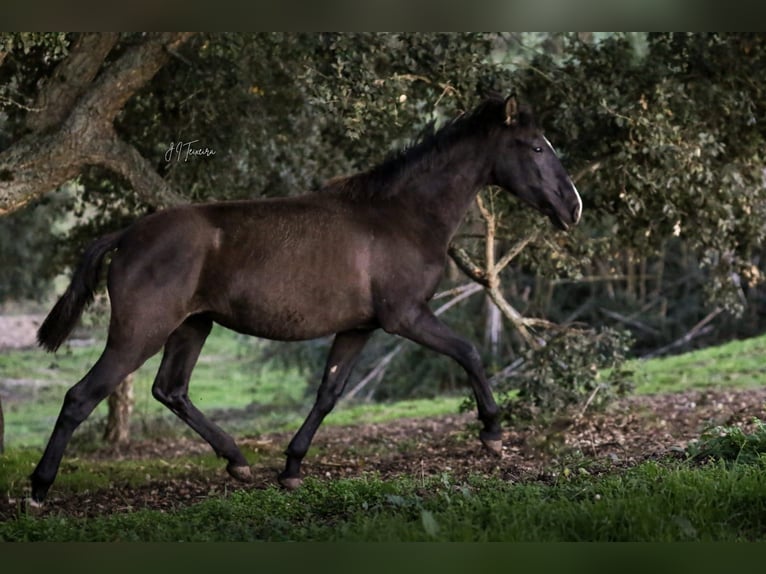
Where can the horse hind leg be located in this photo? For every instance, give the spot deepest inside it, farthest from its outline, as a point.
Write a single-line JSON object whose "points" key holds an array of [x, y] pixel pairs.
{"points": [[114, 364], [171, 388]]}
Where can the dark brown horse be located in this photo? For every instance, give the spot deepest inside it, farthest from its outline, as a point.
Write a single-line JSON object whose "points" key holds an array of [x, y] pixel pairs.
{"points": [[364, 253]]}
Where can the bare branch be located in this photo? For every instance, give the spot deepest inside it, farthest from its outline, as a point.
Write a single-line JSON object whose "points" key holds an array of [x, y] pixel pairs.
{"points": [[489, 241], [11, 102], [698, 329], [588, 402], [514, 251], [630, 321], [516, 318], [375, 374], [453, 291], [126, 160], [506, 371], [467, 265], [464, 294], [130, 73], [588, 169]]}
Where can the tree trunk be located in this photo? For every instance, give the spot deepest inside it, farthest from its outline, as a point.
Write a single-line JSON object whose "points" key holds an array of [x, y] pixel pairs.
{"points": [[120, 408]]}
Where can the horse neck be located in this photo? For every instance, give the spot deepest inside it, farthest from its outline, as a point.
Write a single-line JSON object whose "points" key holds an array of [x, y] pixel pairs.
{"points": [[442, 193]]}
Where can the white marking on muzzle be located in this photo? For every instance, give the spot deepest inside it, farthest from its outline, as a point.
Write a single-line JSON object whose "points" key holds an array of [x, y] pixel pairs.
{"points": [[578, 211]]}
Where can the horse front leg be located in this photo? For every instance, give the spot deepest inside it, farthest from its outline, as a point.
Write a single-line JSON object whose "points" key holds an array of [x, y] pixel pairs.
{"points": [[423, 327], [343, 356]]}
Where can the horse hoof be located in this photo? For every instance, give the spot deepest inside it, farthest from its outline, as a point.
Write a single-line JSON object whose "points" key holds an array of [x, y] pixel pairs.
{"points": [[34, 507], [493, 446], [241, 473], [292, 483]]}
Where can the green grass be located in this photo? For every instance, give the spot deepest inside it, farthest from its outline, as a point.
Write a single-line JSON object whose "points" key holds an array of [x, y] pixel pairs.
{"points": [[650, 502], [78, 475], [737, 364]]}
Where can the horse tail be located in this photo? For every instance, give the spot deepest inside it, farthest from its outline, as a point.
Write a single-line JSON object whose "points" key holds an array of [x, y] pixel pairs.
{"points": [[64, 315]]}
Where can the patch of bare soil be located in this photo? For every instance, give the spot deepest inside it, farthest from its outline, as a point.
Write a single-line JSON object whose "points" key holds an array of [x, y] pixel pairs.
{"points": [[631, 431]]}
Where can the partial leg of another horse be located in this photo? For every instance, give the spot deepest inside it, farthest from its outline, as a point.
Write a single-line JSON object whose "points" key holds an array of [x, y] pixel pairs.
{"points": [[345, 351], [422, 326], [112, 367], [171, 387]]}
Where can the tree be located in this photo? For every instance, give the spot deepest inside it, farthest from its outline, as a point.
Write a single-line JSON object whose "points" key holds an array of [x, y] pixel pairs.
{"points": [[661, 132], [70, 123]]}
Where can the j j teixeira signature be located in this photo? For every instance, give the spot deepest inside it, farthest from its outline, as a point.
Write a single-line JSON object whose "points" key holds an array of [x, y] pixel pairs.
{"points": [[182, 151]]}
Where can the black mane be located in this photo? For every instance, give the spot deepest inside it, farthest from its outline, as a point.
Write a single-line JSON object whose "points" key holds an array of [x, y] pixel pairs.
{"points": [[430, 146]]}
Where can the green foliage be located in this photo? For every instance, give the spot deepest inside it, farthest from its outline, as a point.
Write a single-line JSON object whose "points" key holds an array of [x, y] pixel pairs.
{"points": [[25, 57], [576, 369], [731, 445], [650, 502], [671, 141]]}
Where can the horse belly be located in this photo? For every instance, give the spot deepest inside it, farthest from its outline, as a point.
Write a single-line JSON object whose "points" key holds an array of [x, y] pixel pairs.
{"points": [[294, 299]]}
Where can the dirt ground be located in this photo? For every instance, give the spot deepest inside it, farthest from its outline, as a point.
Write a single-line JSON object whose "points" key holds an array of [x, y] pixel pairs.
{"points": [[632, 431]]}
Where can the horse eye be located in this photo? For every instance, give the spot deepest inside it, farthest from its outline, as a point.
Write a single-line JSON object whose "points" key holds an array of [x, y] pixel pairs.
{"points": [[537, 149]]}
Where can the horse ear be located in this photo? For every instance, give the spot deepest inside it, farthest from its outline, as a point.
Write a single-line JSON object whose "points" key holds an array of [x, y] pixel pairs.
{"points": [[511, 110]]}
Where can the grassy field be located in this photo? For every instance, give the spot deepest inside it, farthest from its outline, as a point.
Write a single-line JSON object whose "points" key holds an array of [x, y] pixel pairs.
{"points": [[229, 382], [650, 502], [734, 364], [673, 500]]}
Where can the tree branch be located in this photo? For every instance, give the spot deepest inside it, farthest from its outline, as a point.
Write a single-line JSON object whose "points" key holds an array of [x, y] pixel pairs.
{"points": [[69, 81], [126, 160], [516, 318], [588, 169], [695, 331], [43, 160], [489, 242], [130, 73], [514, 251], [467, 265]]}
